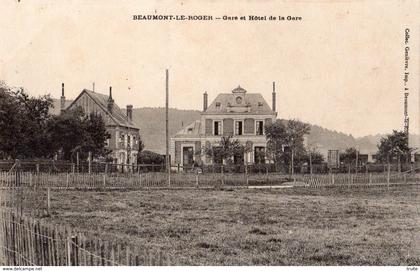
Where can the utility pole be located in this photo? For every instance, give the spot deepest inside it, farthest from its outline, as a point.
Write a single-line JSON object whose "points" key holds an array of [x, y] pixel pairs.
{"points": [[310, 163], [168, 161], [357, 161]]}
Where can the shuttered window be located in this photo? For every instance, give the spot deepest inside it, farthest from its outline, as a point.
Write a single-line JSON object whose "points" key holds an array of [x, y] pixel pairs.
{"points": [[217, 128], [238, 127]]}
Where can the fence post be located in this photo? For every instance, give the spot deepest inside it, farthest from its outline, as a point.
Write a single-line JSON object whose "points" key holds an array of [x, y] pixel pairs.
{"points": [[30, 179], [69, 245], [48, 200], [74, 251], [196, 179], [370, 178], [104, 180], [18, 171], [333, 180], [140, 179], [90, 162], [67, 180], [388, 176], [77, 161], [223, 176], [246, 175]]}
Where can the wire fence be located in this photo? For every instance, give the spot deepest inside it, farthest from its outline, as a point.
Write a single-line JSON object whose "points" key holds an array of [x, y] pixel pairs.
{"points": [[26, 241], [195, 179], [57, 166]]}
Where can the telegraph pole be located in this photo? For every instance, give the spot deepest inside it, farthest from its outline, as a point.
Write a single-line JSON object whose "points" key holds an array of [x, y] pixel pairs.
{"points": [[168, 161]]}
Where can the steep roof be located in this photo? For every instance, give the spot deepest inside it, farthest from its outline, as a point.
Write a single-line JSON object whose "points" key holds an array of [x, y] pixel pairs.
{"points": [[192, 129], [117, 115], [253, 103]]}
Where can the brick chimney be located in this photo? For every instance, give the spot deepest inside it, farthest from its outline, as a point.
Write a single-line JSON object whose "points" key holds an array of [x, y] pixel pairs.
{"points": [[274, 97], [205, 101], [110, 101], [129, 112], [62, 99]]}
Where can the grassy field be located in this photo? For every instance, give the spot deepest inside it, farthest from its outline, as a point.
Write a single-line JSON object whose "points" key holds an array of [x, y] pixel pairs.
{"points": [[255, 227]]}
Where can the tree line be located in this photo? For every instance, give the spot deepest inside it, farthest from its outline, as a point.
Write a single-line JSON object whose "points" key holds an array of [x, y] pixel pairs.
{"points": [[286, 148], [29, 130]]}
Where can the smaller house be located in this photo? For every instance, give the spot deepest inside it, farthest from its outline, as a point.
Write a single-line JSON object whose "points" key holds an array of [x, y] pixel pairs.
{"points": [[125, 136]]}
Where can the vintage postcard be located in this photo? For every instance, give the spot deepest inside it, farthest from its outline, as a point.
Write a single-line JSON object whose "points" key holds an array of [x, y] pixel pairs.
{"points": [[209, 133]]}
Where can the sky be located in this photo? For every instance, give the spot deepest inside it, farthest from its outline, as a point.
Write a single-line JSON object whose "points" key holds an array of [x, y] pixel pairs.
{"points": [[340, 67]]}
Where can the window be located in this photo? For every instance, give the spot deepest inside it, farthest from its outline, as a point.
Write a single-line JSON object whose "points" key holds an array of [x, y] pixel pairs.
{"points": [[238, 127], [129, 140], [217, 128], [260, 127], [117, 138]]}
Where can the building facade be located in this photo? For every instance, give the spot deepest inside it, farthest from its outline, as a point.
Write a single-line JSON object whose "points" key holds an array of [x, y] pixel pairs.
{"points": [[240, 115], [124, 141]]}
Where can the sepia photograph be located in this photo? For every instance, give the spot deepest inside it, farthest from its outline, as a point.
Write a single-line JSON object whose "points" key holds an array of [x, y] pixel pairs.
{"points": [[222, 134]]}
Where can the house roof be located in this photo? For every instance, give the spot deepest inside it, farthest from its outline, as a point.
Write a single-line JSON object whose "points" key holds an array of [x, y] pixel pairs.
{"points": [[253, 103], [191, 130], [117, 116]]}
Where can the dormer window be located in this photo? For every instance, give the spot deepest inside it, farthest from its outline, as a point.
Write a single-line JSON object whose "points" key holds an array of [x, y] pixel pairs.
{"points": [[260, 104], [217, 105]]}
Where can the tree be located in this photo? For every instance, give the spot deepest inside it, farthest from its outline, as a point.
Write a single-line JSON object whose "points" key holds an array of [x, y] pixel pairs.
{"points": [[393, 146], [95, 136], [149, 157], [276, 140], [348, 156], [285, 143], [141, 144], [313, 156], [225, 150], [23, 122], [72, 131]]}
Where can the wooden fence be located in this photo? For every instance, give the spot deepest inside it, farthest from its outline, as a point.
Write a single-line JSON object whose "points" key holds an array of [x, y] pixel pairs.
{"points": [[134, 181], [197, 180], [25, 241], [361, 180]]}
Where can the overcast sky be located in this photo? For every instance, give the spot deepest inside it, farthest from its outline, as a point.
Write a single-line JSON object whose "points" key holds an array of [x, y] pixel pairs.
{"points": [[341, 67]]}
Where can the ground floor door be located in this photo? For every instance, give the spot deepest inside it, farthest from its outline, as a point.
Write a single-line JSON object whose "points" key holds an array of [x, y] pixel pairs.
{"points": [[187, 156], [238, 158], [259, 155]]}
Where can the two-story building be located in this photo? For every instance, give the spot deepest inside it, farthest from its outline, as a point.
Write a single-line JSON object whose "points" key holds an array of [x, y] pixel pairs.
{"points": [[124, 141], [238, 114]]}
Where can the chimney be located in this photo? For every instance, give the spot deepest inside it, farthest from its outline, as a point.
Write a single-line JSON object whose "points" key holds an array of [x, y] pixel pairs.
{"points": [[274, 97], [129, 112], [205, 101], [110, 101], [62, 99]]}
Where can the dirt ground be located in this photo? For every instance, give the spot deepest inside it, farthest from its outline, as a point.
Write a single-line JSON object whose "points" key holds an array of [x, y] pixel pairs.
{"points": [[254, 227]]}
